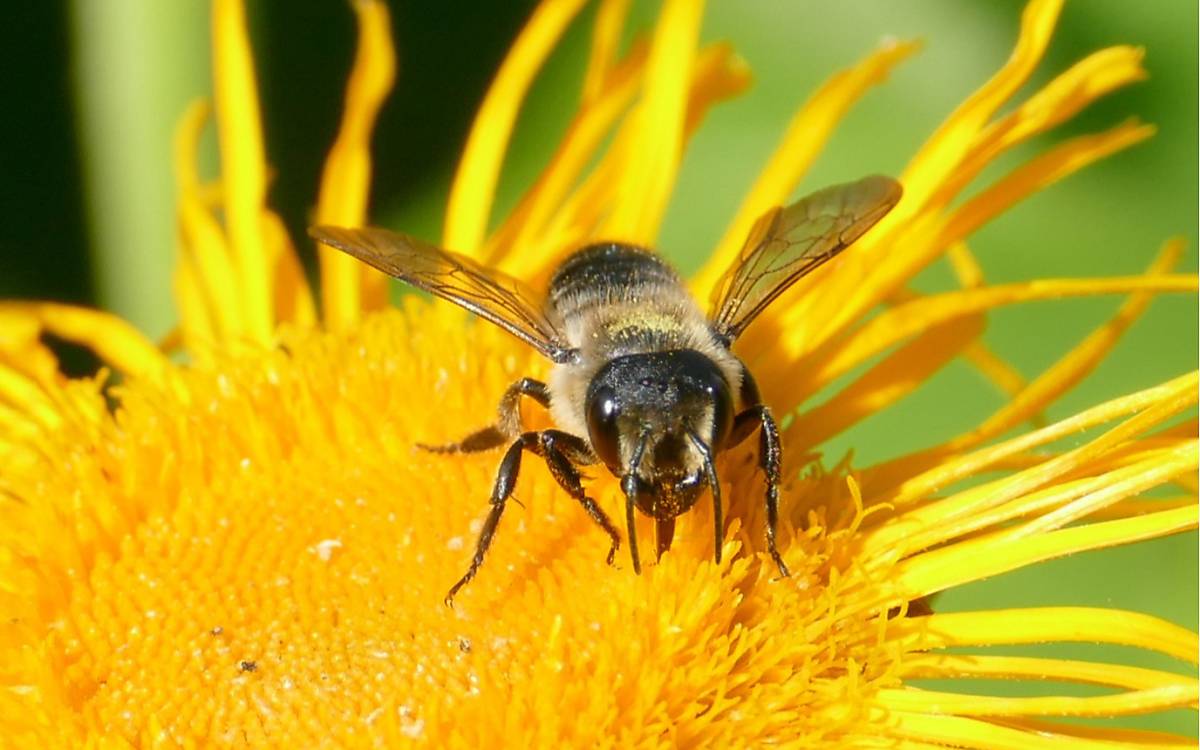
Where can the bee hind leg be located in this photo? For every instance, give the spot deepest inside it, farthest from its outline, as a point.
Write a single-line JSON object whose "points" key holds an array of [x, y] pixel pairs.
{"points": [[508, 420]]}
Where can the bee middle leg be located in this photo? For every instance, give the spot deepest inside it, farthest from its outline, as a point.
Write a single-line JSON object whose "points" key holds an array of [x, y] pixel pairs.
{"points": [[508, 420], [770, 458], [562, 452]]}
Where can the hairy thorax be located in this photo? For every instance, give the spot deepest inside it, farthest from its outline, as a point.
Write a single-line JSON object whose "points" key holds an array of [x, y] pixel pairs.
{"points": [[616, 300]]}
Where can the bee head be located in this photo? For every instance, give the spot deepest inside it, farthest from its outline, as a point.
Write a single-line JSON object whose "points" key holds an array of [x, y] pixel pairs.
{"points": [[647, 412]]}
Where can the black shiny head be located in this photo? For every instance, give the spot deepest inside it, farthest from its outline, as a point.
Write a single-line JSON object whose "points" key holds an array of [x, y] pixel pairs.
{"points": [[665, 401]]}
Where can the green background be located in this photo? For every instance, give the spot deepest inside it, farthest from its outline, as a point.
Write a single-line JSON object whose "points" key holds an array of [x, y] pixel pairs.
{"points": [[94, 90]]}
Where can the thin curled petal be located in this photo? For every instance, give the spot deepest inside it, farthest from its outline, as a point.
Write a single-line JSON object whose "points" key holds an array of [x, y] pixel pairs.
{"points": [[1043, 170], [718, 74], [349, 289], [210, 276], [1033, 397], [945, 150], [606, 40], [1089, 79], [114, 340], [886, 273], [1050, 508], [293, 298], [243, 163]]}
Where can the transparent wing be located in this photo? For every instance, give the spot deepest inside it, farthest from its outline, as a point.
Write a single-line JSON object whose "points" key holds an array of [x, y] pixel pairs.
{"points": [[488, 293], [787, 243]]}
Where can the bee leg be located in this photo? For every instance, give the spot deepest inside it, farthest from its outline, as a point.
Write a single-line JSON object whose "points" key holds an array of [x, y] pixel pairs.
{"points": [[770, 457], [508, 421], [506, 479], [629, 486], [714, 485], [562, 452]]}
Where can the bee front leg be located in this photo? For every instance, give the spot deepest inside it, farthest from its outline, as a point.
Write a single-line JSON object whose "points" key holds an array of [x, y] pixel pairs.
{"points": [[562, 452], [770, 458], [629, 486], [508, 422]]}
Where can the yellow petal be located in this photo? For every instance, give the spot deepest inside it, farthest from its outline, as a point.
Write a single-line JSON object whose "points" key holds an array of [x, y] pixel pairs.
{"points": [[654, 154], [114, 340], [1040, 172], [1130, 702], [938, 665], [1158, 468], [718, 73], [1082, 359], [293, 299], [806, 135], [1091, 78], [526, 225], [606, 40], [471, 195], [944, 151], [979, 734], [25, 397], [213, 284], [976, 559], [1031, 399], [1003, 627], [1003, 374], [243, 164], [1149, 407], [962, 515], [872, 278], [887, 382], [197, 330], [348, 287], [910, 319]]}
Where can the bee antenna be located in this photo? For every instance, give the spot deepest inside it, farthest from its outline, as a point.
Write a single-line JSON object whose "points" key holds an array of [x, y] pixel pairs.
{"points": [[715, 486]]}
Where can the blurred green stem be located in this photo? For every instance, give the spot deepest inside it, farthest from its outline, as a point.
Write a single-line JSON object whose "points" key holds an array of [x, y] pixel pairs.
{"points": [[137, 63]]}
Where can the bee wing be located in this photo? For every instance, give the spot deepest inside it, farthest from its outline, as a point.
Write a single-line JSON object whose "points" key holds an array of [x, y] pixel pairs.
{"points": [[787, 243], [490, 294]]}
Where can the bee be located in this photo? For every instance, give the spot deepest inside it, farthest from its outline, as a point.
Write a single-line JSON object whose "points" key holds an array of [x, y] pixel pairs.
{"points": [[642, 380]]}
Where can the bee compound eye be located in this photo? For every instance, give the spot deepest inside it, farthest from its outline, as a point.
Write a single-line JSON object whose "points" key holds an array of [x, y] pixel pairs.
{"points": [[722, 408], [602, 412]]}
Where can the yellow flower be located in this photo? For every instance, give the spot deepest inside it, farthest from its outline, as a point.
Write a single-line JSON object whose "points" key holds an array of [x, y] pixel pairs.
{"points": [[247, 549]]}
